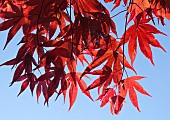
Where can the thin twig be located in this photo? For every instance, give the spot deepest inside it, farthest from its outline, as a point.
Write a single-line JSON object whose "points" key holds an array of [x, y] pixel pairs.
{"points": [[39, 15], [124, 40], [71, 56], [71, 27], [118, 13]]}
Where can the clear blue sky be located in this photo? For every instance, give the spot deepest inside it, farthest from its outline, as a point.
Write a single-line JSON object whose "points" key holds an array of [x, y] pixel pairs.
{"points": [[157, 84]]}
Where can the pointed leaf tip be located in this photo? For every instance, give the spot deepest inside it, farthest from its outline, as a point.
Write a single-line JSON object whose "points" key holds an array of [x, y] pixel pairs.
{"points": [[23, 86], [83, 88], [72, 95]]}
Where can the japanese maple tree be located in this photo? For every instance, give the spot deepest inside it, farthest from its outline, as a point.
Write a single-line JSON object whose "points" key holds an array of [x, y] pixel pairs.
{"points": [[60, 35]]}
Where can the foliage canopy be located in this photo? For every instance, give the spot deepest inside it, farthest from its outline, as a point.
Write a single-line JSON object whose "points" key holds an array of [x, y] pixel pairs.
{"points": [[59, 34]]}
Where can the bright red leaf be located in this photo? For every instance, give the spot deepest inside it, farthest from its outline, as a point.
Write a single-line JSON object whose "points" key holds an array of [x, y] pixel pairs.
{"points": [[130, 83]]}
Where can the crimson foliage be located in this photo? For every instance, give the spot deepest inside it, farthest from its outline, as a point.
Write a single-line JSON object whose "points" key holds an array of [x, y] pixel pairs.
{"points": [[57, 34]]}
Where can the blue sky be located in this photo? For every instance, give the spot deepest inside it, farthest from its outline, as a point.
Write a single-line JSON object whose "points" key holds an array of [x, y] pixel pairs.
{"points": [[157, 83]]}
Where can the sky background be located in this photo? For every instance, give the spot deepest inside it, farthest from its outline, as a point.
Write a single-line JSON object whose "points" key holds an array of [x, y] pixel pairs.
{"points": [[157, 83]]}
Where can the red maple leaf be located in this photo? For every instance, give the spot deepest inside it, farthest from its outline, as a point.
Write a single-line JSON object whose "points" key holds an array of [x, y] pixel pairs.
{"points": [[130, 85], [144, 34]]}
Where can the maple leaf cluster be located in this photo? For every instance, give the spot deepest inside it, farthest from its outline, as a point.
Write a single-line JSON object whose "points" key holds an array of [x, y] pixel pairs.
{"points": [[59, 34]]}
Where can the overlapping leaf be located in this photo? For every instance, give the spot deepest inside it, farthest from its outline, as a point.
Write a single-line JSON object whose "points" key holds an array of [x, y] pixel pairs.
{"points": [[144, 34], [16, 19], [130, 85]]}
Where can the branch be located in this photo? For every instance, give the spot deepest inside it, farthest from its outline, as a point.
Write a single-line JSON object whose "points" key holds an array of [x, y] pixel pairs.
{"points": [[39, 15]]}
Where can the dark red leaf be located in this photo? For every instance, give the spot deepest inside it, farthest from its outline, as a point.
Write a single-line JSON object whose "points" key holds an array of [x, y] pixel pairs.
{"points": [[14, 30], [24, 86], [46, 76], [7, 15], [53, 86], [10, 62], [38, 91], [18, 72], [7, 24], [21, 78]]}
